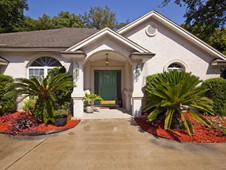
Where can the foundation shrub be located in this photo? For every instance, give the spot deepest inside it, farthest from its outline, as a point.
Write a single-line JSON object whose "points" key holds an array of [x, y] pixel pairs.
{"points": [[7, 104], [216, 90]]}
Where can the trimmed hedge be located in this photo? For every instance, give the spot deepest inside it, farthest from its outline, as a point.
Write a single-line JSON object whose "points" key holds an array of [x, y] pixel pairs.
{"points": [[6, 104], [216, 90]]}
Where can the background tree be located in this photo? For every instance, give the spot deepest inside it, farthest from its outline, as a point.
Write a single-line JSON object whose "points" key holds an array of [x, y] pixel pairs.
{"points": [[12, 11], [65, 19], [99, 18], [206, 19]]}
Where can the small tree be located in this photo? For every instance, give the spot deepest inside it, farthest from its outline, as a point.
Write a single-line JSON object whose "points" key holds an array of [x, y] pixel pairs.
{"points": [[172, 92]]}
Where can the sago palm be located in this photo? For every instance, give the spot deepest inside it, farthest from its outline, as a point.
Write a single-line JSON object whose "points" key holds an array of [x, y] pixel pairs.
{"points": [[173, 92], [45, 90]]}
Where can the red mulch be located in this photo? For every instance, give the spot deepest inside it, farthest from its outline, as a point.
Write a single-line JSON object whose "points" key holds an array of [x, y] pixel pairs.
{"points": [[202, 133], [5, 124]]}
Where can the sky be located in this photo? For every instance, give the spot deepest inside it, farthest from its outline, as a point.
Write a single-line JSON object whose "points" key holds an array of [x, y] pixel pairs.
{"points": [[124, 9]]}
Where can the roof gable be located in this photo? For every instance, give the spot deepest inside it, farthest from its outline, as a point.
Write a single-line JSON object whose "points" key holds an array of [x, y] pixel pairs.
{"points": [[112, 34], [174, 27]]}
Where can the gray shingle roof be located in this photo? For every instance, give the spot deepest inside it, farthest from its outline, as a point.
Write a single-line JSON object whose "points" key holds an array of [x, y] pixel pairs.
{"points": [[65, 37]]}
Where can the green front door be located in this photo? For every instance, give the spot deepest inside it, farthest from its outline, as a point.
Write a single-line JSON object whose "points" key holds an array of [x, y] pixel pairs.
{"points": [[108, 84]]}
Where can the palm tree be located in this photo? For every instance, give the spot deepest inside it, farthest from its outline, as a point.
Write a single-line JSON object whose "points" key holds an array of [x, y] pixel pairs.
{"points": [[45, 90], [172, 92]]}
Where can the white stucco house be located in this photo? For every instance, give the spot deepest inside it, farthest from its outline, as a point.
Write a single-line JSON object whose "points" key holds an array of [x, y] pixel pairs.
{"points": [[110, 63]]}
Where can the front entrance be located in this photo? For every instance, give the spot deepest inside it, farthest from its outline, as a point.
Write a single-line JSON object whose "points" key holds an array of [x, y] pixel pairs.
{"points": [[108, 85]]}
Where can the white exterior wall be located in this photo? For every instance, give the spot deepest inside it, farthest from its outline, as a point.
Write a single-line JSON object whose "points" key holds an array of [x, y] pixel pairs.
{"points": [[170, 47], [20, 61]]}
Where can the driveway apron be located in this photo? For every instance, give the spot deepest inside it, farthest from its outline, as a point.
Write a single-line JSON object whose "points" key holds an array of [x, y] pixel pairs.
{"points": [[110, 144]]}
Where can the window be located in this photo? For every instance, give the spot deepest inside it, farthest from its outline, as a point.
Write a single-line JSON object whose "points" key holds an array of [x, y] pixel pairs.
{"points": [[42, 66], [175, 66]]}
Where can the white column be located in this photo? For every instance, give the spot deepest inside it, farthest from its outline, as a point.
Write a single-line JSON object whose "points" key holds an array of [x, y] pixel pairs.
{"points": [[78, 90], [137, 94]]}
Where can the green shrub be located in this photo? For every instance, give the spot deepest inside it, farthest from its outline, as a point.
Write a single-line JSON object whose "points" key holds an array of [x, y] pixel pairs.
{"points": [[172, 93], [29, 104], [62, 97], [7, 104], [45, 90], [217, 92]]}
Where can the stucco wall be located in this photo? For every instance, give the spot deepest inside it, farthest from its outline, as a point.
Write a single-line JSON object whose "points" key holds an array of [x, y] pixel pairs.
{"points": [[20, 61], [170, 47]]}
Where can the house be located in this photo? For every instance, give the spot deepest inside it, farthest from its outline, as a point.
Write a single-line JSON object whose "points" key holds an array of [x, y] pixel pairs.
{"points": [[110, 63]]}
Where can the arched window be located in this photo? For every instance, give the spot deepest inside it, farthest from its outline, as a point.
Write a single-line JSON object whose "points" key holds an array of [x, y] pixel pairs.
{"points": [[175, 66], [41, 66]]}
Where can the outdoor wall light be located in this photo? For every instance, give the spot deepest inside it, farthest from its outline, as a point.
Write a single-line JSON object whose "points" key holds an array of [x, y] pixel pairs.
{"points": [[76, 72], [137, 71], [106, 59]]}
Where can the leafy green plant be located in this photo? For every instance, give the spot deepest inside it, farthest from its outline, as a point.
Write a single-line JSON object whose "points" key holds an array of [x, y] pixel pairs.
{"points": [[62, 97], [90, 98], [29, 104], [171, 93], [62, 111], [45, 90], [216, 90], [7, 104]]}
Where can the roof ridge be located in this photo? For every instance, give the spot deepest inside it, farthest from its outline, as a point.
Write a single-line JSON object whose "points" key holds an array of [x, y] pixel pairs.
{"points": [[57, 29]]}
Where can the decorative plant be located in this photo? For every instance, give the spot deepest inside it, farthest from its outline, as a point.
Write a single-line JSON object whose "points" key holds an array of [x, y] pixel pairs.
{"points": [[5, 117], [23, 122], [170, 93], [61, 96], [90, 98], [29, 104], [62, 111], [45, 90]]}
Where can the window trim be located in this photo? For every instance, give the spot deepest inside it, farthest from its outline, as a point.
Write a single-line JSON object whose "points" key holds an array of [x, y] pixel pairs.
{"points": [[178, 62], [41, 67]]}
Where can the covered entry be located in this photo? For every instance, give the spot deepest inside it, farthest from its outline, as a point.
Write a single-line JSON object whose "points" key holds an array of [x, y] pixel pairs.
{"points": [[109, 65]]}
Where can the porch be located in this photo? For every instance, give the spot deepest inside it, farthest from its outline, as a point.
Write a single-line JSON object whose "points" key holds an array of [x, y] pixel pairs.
{"points": [[108, 113]]}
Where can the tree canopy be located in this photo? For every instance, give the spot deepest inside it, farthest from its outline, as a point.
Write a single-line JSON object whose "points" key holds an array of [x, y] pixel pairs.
{"points": [[12, 13], [206, 19], [99, 18]]}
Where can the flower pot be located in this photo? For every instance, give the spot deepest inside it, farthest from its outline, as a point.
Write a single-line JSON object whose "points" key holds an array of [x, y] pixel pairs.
{"points": [[89, 109], [61, 121]]}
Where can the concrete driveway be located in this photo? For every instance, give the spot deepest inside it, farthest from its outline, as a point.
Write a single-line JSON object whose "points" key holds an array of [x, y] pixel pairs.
{"points": [[107, 145]]}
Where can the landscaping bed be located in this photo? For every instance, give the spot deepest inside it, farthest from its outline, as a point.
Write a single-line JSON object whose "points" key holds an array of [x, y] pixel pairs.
{"points": [[21, 123], [202, 133]]}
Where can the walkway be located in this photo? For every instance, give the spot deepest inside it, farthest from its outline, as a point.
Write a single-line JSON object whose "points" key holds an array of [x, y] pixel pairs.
{"points": [[116, 144], [108, 113]]}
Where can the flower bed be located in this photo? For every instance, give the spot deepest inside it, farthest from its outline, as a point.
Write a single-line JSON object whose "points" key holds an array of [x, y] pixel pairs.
{"points": [[20, 123], [202, 133]]}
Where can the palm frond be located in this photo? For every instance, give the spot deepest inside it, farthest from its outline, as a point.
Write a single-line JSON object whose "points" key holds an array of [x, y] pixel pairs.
{"points": [[187, 124], [168, 119]]}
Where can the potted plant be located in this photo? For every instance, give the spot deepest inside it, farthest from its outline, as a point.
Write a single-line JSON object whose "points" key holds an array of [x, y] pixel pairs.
{"points": [[89, 101], [61, 115]]}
